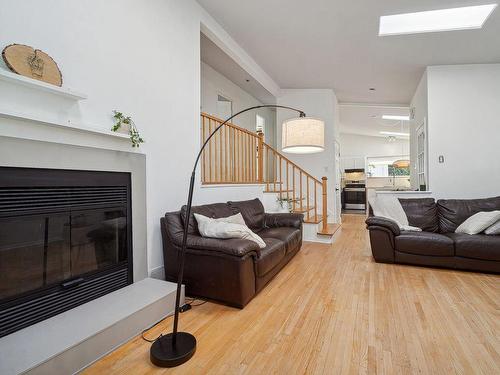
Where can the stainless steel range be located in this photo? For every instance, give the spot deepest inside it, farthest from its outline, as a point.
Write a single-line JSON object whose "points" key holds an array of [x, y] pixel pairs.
{"points": [[355, 196]]}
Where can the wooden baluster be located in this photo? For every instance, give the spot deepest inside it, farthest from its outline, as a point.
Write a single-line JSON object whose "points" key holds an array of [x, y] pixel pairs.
{"points": [[242, 153], [307, 197], [216, 154], [221, 166], [252, 159], [325, 204], [204, 164], [226, 153], [300, 189], [287, 180], [245, 157], [315, 202], [281, 178], [275, 175], [267, 167], [240, 158], [233, 177], [209, 151], [293, 187], [260, 158], [251, 154]]}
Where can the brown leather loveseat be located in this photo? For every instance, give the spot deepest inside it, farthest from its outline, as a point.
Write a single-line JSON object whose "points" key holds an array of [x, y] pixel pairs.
{"points": [[231, 271], [437, 245]]}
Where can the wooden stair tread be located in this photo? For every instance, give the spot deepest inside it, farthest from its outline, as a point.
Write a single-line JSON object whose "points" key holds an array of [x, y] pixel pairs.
{"points": [[313, 219], [299, 210], [330, 229], [278, 191]]}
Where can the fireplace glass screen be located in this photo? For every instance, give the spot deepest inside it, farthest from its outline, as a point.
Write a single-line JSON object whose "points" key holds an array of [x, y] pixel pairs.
{"points": [[39, 251]]}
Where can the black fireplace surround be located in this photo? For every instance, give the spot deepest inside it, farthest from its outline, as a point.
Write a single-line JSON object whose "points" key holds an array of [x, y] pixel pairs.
{"points": [[65, 239]]}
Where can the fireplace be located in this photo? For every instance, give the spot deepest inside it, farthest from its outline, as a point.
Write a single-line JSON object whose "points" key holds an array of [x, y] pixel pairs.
{"points": [[65, 239]]}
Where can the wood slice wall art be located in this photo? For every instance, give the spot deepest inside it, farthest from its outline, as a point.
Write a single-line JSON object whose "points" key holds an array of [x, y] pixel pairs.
{"points": [[33, 63]]}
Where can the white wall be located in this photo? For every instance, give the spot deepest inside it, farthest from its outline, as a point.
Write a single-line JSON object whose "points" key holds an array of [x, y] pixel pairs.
{"points": [[419, 105], [464, 127], [320, 103], [143, 58], [355, 145], [213, 83]]}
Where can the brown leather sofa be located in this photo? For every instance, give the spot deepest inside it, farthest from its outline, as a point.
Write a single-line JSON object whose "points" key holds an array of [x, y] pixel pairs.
{"points": [[437, 245], [231, 271]]}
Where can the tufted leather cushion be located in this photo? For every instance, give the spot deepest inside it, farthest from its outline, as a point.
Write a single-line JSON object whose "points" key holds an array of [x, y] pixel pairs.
{"points": [[421, 213], [290, 236], [214, 211], [425, 243], [270, 256], [252, 211], [477, 246], [453, 212]]}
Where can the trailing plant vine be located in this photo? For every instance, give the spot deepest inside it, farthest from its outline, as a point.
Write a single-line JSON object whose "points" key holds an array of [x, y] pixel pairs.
{"points": [[121, 120]]}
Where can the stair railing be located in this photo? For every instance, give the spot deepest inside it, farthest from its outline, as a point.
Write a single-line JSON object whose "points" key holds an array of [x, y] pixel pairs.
{"points": [[238, 156]]}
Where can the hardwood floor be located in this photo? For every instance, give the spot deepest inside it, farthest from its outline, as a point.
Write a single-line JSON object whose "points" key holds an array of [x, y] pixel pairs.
{"points": [[333, 310]]}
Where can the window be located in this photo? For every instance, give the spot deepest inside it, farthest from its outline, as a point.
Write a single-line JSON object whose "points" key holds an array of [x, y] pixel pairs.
{"points": [[224, 107], [260, 124], [382, 166]]}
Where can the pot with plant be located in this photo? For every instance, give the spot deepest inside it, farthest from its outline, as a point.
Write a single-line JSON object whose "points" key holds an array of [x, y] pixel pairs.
{"points": [[125, 124], [285, 205]]}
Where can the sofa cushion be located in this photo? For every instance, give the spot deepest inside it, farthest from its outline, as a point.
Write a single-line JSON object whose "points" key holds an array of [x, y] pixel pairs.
{"points": [[477, 223], [214, 211], [453, 212], [425, 243], [252, 211], [270, 256], [290, 236], [234, 227], [421, 213], [477, 246]]}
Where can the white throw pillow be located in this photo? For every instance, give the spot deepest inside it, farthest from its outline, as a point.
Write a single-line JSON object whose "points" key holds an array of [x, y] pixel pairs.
{"points": [[478, 222], [493, 230], [227, 227]]}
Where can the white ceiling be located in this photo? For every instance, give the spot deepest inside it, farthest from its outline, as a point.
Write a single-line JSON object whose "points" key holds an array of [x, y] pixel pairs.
{"points": [[367, 120], [225, 65], [334, 44]]}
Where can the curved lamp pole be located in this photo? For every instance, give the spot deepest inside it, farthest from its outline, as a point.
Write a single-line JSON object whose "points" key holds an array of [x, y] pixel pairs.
{"points": [[176, 348]]}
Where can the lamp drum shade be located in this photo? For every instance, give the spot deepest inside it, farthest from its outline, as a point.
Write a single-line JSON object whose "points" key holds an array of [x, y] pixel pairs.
{"points": [[303, 135], [403, 163]]}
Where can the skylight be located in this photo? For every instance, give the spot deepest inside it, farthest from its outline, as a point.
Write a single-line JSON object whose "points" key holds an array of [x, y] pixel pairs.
{"points": [[399, 118], [472, 17]]}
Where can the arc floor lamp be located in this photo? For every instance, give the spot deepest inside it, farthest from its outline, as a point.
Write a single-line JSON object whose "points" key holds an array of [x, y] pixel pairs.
{"points": [[299, 135]]}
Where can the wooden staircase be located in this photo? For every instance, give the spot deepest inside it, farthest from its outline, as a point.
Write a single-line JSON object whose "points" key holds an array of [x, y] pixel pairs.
{"points": [[236, 155]]}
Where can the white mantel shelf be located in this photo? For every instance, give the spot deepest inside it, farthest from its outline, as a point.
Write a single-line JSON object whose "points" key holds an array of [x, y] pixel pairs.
{"points": [[67, 125], [18, 79]]}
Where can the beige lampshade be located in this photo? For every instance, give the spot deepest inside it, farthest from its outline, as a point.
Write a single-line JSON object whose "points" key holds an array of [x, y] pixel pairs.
{"points": [[303, 135], [401, 163]]}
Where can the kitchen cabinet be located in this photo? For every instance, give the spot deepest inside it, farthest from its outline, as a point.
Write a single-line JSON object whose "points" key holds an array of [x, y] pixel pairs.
{"points": [[352, 162]]}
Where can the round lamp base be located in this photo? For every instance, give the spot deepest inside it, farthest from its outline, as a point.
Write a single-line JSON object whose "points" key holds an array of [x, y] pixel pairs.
{"points": [[164, 354]]}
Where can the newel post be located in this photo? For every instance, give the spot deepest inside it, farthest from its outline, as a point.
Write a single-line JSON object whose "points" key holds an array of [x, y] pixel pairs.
{"points": [[260, 156], [325, 204]]}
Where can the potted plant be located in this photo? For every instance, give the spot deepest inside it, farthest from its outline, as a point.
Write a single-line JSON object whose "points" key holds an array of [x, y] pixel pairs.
{"points": [[125, 124], [285, 204]]}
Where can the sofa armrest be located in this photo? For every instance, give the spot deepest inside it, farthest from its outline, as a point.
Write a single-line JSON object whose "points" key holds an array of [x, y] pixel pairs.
{"points": [[283, 220], [231, 246], [377, 221]]}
